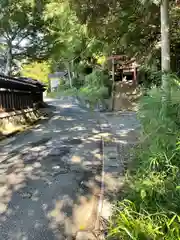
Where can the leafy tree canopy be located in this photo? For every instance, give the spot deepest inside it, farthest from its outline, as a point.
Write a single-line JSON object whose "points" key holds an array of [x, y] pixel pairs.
{"points": [[70, 40], [129, 27], [37, 70], [21, 29]]}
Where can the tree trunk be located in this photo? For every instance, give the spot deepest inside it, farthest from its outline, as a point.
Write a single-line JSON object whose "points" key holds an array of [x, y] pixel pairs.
{"points": [[69, 74], [113, 86], [8, 60], [165, 48], [72, 66]]}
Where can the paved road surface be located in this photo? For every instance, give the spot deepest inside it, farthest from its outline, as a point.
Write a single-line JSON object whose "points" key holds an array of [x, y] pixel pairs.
{"points": [[48, 177]]}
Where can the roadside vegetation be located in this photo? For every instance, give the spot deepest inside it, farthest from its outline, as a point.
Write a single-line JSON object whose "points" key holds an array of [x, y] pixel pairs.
{"points": [[149, 208], [94, 88]]}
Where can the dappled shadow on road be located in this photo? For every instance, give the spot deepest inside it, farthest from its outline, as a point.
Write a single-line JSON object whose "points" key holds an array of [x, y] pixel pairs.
{"points": [[51, 182], [50, 178]]}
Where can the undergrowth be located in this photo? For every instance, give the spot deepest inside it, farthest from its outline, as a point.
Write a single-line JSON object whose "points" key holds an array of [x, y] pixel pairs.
{"points": [[150, 209], [94, 90]]}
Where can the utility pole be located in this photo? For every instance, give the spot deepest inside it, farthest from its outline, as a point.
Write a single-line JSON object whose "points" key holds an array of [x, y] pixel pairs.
{"points": [[113, 84], [165, 48]]}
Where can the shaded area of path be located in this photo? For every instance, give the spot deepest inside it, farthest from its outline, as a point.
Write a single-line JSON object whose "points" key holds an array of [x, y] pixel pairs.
{"points": [[50, 177]]}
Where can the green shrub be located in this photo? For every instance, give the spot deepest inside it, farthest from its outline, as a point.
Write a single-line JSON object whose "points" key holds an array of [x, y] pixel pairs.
{"points": [[131, 223], [93, 94], [78, 82], [97, 79], [151, 208], [71, 92], [94, 89], [148, 77], [64, 91]]}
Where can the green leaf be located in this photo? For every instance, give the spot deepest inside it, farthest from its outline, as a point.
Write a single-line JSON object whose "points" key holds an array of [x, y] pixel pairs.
{"points": [[143, 194]]}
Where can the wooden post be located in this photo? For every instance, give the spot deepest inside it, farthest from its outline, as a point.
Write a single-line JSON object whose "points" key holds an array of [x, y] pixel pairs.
{"points": [[113, 86], [135, 76]]}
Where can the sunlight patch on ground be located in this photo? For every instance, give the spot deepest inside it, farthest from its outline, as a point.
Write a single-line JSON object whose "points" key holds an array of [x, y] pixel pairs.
{"points": [[76, 159], [95, 130], [38, 130], [62, 118], [58, 217], [98, 156], [57, 131], [65, 105], [124, 132], [121, 141], [66, 118], [78, 128]]}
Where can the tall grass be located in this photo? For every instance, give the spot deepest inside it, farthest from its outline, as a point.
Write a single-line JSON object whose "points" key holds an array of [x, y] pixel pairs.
{"points": [[151, 207]]}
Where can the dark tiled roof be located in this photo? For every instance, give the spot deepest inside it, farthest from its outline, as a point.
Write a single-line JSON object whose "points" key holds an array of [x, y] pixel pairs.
{"points": [[26, 84]]}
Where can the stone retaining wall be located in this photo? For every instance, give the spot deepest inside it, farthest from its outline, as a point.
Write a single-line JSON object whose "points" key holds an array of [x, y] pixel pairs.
{"points": [[15, 121]]}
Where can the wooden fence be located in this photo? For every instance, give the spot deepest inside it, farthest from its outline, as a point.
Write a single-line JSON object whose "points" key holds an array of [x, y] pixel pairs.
{"points": [[19, 93]]}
